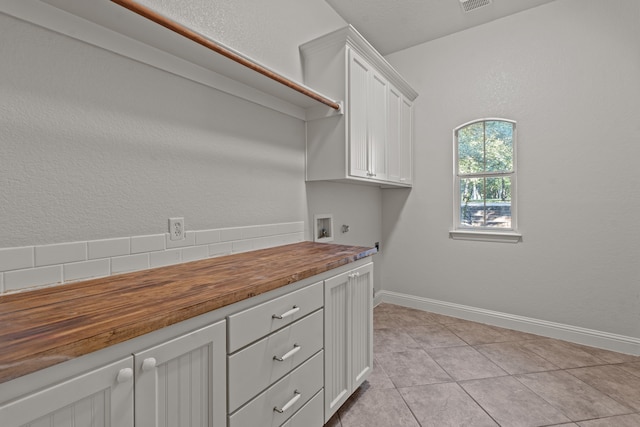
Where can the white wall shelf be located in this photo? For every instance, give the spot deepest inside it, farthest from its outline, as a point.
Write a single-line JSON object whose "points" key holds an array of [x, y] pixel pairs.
{"points": [[107, 25]]}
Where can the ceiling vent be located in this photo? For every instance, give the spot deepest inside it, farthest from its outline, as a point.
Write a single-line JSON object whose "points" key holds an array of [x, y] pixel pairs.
{"points": [[469, 5]]}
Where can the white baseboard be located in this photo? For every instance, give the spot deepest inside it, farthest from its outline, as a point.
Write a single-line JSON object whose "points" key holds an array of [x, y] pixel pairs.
{"points": [[590, 337]]}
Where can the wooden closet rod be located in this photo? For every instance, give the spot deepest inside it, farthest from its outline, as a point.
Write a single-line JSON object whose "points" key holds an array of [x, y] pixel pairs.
{"points": [[144, 11]]}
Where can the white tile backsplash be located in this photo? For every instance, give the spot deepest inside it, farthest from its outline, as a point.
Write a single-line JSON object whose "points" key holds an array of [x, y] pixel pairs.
{"points": [[195, 253], [86, 269], [229, 234], [219, 249], [205, 237], [109, 247], [33, 266], [252, 232], [21, 279], [241, 246], [16, 258], [168, 257], [153, 242], [189, 240], [61, 253], [127, 263]]}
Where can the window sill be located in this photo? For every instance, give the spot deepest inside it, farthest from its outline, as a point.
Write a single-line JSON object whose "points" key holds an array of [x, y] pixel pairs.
{"points": [[486, 236]]}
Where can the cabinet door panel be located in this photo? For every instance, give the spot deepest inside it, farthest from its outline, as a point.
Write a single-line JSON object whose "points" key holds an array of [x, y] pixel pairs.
{"points": [[406, 142], [348, 329], [337, 342], [362, 324], [93, 399], [182, 382], [359, 74], [378, 126], [394, 135]]}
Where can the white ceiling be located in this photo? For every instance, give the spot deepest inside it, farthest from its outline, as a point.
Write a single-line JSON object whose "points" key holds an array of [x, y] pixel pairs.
{"points": [[392, 25]]}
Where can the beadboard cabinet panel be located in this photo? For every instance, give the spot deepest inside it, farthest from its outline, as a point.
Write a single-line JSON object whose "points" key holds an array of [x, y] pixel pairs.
{"points": [[102, 397], [348, 335], [182, 382]]}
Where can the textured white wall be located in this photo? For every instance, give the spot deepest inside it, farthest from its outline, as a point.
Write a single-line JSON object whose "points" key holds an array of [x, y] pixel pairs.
{"points": [[267, 31], [94, 145], [568, 73]]}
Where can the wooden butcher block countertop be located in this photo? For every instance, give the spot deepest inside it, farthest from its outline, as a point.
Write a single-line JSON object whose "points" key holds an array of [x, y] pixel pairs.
{"points": [[43, 327]]}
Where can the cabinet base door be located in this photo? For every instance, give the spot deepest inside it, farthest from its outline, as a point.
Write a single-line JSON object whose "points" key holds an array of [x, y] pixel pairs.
{"points": [[361, 325], [337, 323], [348, 335], [99, 398], [183, 382]]}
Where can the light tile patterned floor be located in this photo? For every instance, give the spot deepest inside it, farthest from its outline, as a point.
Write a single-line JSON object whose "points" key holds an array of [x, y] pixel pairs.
{"points": [[434, 370]]}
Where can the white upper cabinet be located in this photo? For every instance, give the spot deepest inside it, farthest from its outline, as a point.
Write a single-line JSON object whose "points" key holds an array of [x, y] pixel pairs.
{"points": [[372, 141]]}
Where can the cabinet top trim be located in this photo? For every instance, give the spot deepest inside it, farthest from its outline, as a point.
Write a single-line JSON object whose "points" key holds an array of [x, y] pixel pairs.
{"points": [[48, 326], [349, 36]]}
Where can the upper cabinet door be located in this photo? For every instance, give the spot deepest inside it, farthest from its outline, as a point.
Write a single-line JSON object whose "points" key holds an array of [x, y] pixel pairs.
{"points": [[406, 142], [359, 75], [377, 125], [183, 382], [367, 119], [394, 134], [99, 398]]}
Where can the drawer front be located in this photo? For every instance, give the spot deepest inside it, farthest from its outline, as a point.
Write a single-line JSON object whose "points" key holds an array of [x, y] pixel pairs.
{"points": [[288, 395], [256, 367], [310, 415], [256, 322]]}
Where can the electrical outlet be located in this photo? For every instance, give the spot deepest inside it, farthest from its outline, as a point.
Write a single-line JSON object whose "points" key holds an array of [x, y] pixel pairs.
{"points": [[176, 228]]}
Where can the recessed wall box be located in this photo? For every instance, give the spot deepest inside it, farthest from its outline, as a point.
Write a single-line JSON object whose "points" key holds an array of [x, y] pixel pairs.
{"points": [[323, 228]]}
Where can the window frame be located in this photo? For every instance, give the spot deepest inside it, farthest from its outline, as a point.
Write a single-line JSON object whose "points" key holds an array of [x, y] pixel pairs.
{"points": [[484, 233]]}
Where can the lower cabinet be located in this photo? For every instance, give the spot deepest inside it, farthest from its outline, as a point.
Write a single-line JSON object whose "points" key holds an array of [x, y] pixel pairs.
{"points": [[99, 398], [182, 382], [276, 361], [348, 335], [290, 361]]}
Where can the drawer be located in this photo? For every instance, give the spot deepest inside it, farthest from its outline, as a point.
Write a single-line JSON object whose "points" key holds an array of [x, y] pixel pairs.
{"points": [[310, 415], [255, 368], [256, 322], [289, 394]]}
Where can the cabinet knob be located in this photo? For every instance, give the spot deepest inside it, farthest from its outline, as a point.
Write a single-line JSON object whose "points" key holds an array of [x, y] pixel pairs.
{"points": [[148, 364], [124, 375]]}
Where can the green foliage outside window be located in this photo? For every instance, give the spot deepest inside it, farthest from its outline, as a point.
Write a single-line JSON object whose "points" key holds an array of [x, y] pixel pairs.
{"points": [[485, 158]]}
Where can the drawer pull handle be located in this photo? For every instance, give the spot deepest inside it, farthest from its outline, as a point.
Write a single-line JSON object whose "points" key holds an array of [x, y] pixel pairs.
{"points": [[291, 312], [289, 404], [296, 348], [148, 364]]}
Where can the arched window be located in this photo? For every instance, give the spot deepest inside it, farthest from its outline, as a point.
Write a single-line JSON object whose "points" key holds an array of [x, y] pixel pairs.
{"points": [[485, 176]]}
